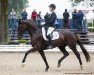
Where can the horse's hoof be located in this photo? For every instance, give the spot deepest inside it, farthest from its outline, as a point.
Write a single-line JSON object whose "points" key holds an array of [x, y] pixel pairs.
{"points": [[81, 67], [89, 61], [23, 61], [23, 65], [46, 70], [59, 65]]}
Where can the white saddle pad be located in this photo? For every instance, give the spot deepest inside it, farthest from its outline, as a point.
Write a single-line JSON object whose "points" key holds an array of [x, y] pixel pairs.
{"points": [[55, 34]]}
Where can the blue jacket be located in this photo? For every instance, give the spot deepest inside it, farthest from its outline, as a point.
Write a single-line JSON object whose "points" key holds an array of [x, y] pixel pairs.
{"points": [[80, 16], [74, 16], [24, 15]]}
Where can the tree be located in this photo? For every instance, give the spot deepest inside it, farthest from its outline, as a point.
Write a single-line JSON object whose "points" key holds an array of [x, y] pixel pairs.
{"points": [[88, 2], [17, 5], [76, 1], [6, 5], [3, 21]]}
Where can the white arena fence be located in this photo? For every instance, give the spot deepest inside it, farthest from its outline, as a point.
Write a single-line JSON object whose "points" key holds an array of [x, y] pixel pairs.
{"points": [[23, 48]]}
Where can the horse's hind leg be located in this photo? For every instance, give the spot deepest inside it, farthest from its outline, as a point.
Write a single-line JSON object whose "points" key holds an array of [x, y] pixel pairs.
{"points": [[63, 50], [74, 49]]}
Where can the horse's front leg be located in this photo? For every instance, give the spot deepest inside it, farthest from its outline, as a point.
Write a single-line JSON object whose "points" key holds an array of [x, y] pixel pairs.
{"points": [[29, 51], [45, 60]]}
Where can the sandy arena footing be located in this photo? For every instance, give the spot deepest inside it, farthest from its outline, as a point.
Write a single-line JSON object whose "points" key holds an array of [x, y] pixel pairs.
{"points": [[10, 64]]}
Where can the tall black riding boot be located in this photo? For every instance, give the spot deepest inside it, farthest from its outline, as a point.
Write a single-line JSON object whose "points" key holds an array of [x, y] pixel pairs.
{"points": [[49, 42]]}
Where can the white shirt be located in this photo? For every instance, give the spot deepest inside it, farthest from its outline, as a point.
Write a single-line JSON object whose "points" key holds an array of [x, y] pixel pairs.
{"points": [[12, 15]]}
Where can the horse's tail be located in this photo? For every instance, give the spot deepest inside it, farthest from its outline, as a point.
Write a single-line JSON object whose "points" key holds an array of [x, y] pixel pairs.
{"points": [[87, 56]]}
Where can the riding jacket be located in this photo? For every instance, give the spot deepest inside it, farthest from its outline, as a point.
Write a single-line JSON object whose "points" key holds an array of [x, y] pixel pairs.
{"points": [[50, 22]]}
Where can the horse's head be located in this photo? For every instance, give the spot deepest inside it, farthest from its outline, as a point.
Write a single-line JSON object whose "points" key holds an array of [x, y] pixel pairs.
{"points": [[22, 27], [26, 25]]}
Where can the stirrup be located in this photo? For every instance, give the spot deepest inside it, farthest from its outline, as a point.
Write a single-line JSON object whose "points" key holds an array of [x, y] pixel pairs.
{"points": [[50, 46]]}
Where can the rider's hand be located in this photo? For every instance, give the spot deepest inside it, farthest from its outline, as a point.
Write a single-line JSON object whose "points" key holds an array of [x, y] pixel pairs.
{"points": [[43, 23]]}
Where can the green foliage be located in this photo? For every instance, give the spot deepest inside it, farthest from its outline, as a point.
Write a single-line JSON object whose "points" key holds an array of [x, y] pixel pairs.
{"points": [[89, 24], [22, 41], [76, 2], [93, 22], [17, 5], [91, 30]]}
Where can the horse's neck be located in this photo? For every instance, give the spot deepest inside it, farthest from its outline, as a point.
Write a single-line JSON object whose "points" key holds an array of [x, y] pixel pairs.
{"points": [[33, 30], [33, 33]]}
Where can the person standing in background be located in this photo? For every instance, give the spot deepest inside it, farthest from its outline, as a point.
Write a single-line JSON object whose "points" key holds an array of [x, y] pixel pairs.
{"points": [[80, 20], [74, 19], [39, 18], [65, 18], [34, 15], [24, 15], [13, 17]]}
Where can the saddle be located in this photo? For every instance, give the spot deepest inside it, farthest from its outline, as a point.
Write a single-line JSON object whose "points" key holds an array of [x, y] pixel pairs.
{"points": [[52, 32]]}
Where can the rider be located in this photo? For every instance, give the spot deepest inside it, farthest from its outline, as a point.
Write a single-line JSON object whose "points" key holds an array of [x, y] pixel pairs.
{"points": [[50, 22]]}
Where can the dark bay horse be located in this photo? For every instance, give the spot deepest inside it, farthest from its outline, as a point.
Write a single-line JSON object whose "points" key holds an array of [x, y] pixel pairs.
{"points": [[67, 38]]}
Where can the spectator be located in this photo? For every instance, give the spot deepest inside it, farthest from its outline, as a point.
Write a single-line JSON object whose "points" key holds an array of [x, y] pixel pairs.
{"points": [[74, 19], [65, 18], [12, 18], [34, 15], [39, 18], [24, 15], [80, 20]]}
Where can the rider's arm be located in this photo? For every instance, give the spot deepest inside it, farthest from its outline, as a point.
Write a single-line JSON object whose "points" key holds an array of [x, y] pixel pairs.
{"points": [[52, 19]]}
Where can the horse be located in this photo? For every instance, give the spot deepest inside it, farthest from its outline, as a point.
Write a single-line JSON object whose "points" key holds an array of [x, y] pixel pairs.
{"points": [[67, 38]]}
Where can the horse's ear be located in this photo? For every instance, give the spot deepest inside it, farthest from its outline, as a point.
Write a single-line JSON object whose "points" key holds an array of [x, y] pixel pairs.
{"points": [[19, 22]]}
